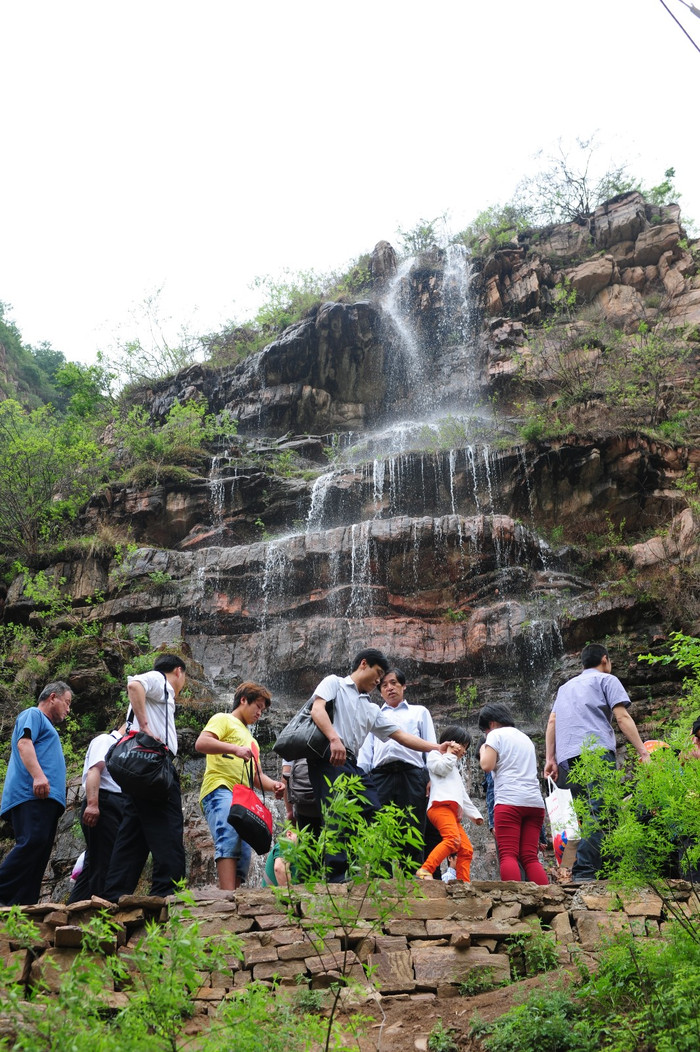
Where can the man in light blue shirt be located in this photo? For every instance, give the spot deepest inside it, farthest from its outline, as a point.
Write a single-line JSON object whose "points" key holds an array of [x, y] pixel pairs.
{"points": [[400, 774], [582, 713], [34, 794]]}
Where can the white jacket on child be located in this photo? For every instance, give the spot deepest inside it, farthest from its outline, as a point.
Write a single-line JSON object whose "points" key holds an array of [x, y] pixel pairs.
{"points": [[446, 784]]}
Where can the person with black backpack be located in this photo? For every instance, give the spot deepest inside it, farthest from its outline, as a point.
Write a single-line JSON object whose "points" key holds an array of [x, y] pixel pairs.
{"points": [[154, 826]]}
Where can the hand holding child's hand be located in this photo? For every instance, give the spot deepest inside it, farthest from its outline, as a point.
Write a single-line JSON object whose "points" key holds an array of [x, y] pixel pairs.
{"points": [[478, 821]]}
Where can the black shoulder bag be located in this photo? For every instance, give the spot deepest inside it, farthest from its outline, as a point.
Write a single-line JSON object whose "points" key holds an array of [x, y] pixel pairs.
{"points": [[141, 765], [301, 739]]}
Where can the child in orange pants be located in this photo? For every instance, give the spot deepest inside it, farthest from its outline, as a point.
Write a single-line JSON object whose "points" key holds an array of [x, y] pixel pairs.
{"points": [[448, 801]]}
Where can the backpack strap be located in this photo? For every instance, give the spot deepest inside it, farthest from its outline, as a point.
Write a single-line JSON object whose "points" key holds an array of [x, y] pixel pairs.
{"points": [[130, 711]]}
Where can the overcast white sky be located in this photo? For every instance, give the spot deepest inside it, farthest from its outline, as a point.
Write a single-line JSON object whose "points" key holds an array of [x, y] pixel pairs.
{"points": [[196, 145]]}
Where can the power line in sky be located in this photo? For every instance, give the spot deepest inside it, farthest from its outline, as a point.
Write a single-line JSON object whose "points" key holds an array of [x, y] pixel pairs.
{"points": [[695, 11]]}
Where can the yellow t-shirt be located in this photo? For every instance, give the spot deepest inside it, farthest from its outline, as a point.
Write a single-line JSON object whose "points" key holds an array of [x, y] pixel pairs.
{"points": [[219, 769]]}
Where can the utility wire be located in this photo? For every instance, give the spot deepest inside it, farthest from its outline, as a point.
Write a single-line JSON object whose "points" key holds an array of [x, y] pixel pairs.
{"points": [[695, 11], [691, 7]]}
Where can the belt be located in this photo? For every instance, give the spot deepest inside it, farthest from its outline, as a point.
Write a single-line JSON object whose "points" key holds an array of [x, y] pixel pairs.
{"points": [[398, 765]]}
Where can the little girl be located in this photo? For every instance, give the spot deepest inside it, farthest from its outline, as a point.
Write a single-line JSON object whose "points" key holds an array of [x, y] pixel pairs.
{"points": [[447, 803]]}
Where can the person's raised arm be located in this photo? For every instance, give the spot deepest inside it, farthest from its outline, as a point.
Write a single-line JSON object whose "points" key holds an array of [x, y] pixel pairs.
{"points": [[629, 729], [211, 745], [411, 741]]}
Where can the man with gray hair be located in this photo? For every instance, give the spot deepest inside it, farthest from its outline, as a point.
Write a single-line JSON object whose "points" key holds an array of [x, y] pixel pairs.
{"points": [[34, 794]]}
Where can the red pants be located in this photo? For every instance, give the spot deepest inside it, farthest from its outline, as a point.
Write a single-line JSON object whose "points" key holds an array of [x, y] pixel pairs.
{"points": [[455, 841], [517, 832]]}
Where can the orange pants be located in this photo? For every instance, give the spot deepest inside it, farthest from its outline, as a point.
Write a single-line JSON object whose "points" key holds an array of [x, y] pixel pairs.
{"points": [[455, 841]]}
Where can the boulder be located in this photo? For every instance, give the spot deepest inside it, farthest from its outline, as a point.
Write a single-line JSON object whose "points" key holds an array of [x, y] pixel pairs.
{"points": [[589, 278], [654, 241], [565, 240], [621, 219], [622, 306], [383, 262]]}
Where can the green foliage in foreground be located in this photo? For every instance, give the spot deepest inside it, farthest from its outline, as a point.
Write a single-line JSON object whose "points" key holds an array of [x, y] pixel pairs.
{"points": [[161, 974], [643, 996], [650, 813], [378, 887]]}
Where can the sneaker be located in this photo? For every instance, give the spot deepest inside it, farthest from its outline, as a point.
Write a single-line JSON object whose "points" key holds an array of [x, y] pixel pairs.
{"points": [[423, 874]]}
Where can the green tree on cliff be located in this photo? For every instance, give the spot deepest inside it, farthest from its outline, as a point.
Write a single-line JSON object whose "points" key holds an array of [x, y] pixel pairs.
{"points": [[48, 469]]}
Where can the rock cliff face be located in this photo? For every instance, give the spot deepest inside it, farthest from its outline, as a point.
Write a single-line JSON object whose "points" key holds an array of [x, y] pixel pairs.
{"points": [[472, 557], [430, 533]]}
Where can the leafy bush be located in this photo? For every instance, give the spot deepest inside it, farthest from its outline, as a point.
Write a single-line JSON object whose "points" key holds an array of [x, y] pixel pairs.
{"points": [[642, 996], [49, 467], [442, 1038], [548, 1021], [423, 237], [533, 951], [495, 227], [162, 973], [159, 454]]}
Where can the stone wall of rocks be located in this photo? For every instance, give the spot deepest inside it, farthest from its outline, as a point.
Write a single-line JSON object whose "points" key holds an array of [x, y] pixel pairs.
{"points": [[449, 935]]}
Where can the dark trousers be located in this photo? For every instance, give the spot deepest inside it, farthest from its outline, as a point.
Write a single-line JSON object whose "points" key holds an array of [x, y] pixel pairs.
{"points": [[404, 784], [148, 826], [320, 774], [588, 860], [99, 842], [34, 825]]}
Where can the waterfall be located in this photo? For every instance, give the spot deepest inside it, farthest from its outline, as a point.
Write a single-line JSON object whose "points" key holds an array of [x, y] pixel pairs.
{"points": [[409, 535], [460, 313], [360, 604], [319, 492], [396, 307]]}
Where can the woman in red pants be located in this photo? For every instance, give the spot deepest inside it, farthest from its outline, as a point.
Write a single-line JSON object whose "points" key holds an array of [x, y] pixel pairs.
{"points": [[519, 807]]}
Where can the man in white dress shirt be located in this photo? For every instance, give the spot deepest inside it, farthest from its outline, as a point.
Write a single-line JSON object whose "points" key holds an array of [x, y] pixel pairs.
{"points": [[400, 774]]}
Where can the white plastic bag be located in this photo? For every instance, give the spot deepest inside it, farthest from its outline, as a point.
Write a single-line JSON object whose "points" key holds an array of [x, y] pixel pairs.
{"points": [[564, 824]]}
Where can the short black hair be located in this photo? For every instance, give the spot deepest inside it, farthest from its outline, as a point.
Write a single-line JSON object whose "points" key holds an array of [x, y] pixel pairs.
{"points": [[695, 729], [168, 663], [495, 712], [456, 733], [373, 657], [400, 676], [593, 654]]}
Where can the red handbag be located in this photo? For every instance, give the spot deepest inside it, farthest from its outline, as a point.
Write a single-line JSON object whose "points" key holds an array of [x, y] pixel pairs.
{"points": [[249, 816]]}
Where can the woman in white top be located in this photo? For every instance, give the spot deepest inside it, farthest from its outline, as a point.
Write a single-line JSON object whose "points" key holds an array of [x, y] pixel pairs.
{"points": [[519, 807]]}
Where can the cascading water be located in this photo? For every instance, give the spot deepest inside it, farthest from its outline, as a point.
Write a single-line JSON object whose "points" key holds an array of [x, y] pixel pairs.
{"points": [[411, 522]]}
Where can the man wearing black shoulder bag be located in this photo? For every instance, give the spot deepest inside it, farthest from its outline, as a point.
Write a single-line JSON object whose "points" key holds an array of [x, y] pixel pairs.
{"points": [[149, 825]]}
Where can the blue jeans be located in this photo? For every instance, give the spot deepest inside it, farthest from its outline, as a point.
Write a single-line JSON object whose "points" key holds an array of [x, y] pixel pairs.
{"points": [[227, 843]]}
